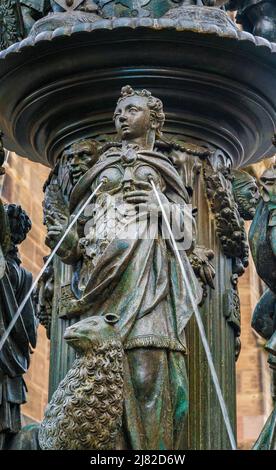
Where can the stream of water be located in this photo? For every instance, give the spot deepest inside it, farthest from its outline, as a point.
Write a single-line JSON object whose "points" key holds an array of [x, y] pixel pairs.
{"points": [[200, 327], [193, 302], [29, 293]]}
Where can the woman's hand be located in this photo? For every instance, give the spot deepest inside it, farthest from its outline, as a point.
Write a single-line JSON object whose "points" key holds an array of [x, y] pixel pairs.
{"points": [[145, 200], [69, 249], [56, 229]]}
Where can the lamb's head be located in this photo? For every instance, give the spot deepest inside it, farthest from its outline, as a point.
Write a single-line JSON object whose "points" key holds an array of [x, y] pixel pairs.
{"points": [[92, 332]]}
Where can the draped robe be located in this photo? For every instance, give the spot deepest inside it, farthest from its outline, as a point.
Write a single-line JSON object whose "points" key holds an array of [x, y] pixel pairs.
{"points": [[15, 355], [139, 279]]}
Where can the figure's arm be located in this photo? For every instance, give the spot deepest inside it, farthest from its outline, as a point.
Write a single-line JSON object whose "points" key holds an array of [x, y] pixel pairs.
{"points": [[272, 230], [201, 261], [184, 229], [182, 224], [273, 239], [180, 216], [5, 233], [69, 249]]}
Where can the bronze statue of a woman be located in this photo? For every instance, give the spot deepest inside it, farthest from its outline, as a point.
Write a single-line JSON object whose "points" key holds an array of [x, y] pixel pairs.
{"points": [[123, 263]]}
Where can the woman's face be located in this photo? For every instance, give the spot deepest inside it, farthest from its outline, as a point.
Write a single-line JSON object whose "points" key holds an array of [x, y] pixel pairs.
{"points": [[132, 118]]}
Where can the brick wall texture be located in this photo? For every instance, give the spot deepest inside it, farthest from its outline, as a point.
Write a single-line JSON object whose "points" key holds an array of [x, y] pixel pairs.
{"points": [[23, 185], [254, 401]]}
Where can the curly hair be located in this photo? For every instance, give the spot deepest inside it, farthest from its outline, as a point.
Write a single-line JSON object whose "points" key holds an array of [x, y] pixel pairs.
{"points": [[155, 105], [20, 223], [86, 410]]}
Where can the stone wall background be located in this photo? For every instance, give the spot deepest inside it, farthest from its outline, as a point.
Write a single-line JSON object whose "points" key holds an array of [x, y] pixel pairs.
{"points": [[22, 185]]}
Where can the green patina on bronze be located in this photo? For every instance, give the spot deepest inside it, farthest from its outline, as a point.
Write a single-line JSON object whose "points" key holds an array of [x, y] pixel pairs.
{"points": [[138, 278], [246, 193], [256, 16], [262, 237], [15, 282], [125, 8]]}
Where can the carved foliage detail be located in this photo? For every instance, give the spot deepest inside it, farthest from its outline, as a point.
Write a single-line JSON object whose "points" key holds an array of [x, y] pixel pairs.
{"points": [[8, 24], [229, 224]]}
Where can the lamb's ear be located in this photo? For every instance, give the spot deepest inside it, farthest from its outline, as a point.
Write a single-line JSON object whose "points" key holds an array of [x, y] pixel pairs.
{"points": [[111, 318]]}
